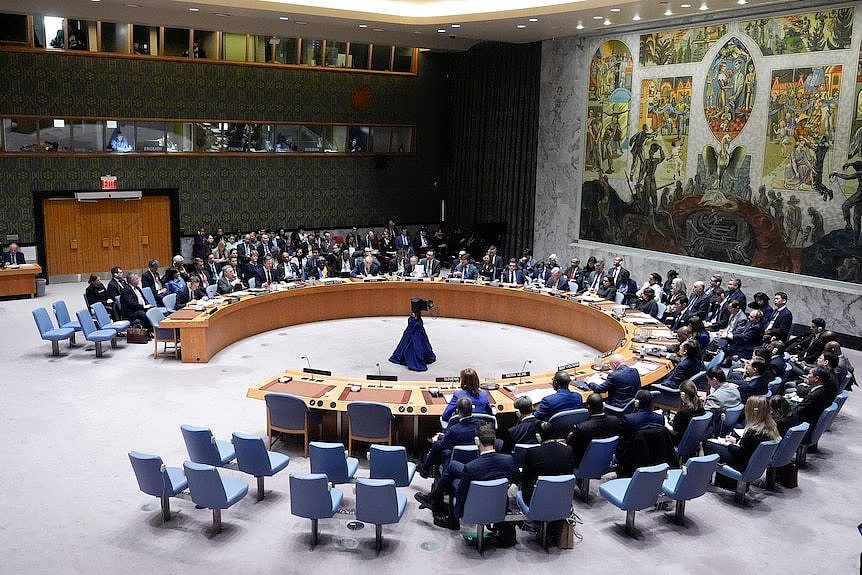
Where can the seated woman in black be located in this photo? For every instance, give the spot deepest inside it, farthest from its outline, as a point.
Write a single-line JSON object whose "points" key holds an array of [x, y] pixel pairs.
{"points": [[96, 291], [690, 405], [759, 427], [698, 331], [782, 413], [691, 364], [646, 302], [607, 289]]}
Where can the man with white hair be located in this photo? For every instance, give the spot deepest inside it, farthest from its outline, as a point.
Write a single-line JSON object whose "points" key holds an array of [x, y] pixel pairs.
{"points": [[557, 280], [621, 384], [229, 282], [13, 256]]}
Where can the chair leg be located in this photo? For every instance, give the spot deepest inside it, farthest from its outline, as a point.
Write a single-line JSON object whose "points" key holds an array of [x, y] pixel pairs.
{"points": [[480, 539], [55, 348], [585, 490], [217, 520], [802, 455], [739, 496], [72, 340], [313, 532], [98, 349], [260, 492], [166, 508], [769, 482], [679, 516], [545, 535], [114, 344], [378, 534], [630, 523]]}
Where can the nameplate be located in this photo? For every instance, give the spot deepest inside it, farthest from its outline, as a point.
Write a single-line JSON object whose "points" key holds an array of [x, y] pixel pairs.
{"points": [[154, 149], [453, 379], [372, 279], [454, 280], [381, 377], [316, 371], [572, 365], [412, 279], [515, 374]]}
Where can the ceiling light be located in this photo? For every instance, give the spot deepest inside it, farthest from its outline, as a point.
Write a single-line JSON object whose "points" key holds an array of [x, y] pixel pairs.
{"points": [[301, 22], [283, 18], [532, 19], [194, 9], [441, 30], [704, 7], [668, 12], [378, 29], [742, 2], [636, 17], [363, 25], [133, 5], [221, 14], [580, 25], [455, 25], [597, 17], [615, 10], [424, 49], [685, 5], [521, 26], [607, 22]]}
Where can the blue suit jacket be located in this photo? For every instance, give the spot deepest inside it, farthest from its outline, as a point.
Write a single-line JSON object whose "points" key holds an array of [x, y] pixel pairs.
{"points": [[359, 270], [562, 400], [622, 384], [461, 432], [684, 370], [782, 320], [519, 276], [481, 404], [487, 466], [642, 418], [746, 338], [757, 385], [19, 258]]}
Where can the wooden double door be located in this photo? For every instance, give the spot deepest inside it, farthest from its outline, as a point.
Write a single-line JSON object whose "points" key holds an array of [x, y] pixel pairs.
{"points": [[92, 237]]}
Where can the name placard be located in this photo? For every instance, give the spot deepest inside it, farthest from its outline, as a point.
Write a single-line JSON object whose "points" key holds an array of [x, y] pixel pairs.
{"points": [[316, 371], [447, 379], [515, 374], [572, 365]]}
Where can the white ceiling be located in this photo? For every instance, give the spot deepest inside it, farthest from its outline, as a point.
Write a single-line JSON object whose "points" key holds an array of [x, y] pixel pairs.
{"points": [[437, 24]]}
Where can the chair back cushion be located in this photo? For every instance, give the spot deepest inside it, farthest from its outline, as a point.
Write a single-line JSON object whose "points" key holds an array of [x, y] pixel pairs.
{"points": [[376, 501], [199, 443], [61, 312], [696, 476], [370, 419], [43, 320], [86, 321], [309, 496], [552, 498], [330, 460], [286, 411], [251, 454], [644, 487], [486, 501], [759, 460], [563, 422], [101, 314], [205, 485], [148, 472], [694, 434], [789, 444], [597, 458], [389, 462]]}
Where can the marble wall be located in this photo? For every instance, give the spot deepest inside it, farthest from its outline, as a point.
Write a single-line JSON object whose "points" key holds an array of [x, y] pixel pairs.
{"points": [[560, 170]]}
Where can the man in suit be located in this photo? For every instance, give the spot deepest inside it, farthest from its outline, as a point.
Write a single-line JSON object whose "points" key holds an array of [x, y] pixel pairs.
{"points": [[369, 240], [643, 416], [782, 318], [268, 274], [745, 336], [821, 395], [561, 400], [465, 269], [134, 306], [431, 263], [116, 287], [525, 430], [422, 242], [557, 281], [153, 280], [722, 394], [600, 425], [229, 282], [616, 269], [550, 458], [244, 249], [13, 256], [365, 268], [756, 381], [621, 384], [201, 271], [574, 273], [698, 303], [512, 274], [402, 241], [193, 291], [734, 292], [594, 279]]}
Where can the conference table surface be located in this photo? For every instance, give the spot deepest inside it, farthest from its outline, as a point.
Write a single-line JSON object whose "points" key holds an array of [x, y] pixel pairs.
{"points": [[203, 332], [19, 279]]}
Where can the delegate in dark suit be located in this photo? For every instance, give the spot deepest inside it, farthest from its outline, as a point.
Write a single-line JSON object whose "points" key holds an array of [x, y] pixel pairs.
{"points": [[512, 276], [641, 419], [362, 270], [818, 399], [757, 385], [561, 400], [621, 385], [186, 295], [598, 426], [688, 367], [489, 465], [522, 432], [19, 258], [461, 432], [550, 458], [781, 320], [745, 339], [133, 305]]}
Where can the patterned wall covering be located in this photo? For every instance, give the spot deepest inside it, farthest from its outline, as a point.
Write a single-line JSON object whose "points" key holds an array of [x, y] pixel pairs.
{"points": [[240, 192]]}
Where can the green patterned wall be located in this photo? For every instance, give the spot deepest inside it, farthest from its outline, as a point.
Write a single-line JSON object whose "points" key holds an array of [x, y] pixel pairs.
{"points": [[235, 192]]}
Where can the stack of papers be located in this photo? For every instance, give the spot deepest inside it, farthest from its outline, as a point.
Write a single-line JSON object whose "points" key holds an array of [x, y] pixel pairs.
{"points": [[537, 395], [645, 367]]}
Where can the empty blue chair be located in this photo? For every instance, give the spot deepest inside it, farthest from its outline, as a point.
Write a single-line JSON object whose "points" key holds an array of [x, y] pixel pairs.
{"points": [[390, 462], [485, 418], [563, 422], [379, 503], [699, 380], [840, 399], [286, 413], [485, 503], [211, 490], [370, 422], [50, 333], [774, 386], [786, 452], [520, 452], [627, 408], [551, 501], [595, 463], [464, 453], [753, 471], [93, 334], [694, 434], [163, 335], [330, 460], [169, 302], [729, 419], [150, 298], [823, 423], [212, 290], [639, 492], [311, 498], [61, 312], [253, 458], [206, 449], [716, 360], [665, 396], [157, 479], [689, 482], [104, 319]]}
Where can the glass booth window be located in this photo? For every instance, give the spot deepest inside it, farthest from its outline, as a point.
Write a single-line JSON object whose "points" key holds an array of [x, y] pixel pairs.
{"points": [[357, 139], [402, 140], [262, 48], [19, 134], [121, 136], [83, 35], [310, 52], [115, 38], [180, 137], [204, 44], [287, 51], [336, 54], [233, 47], [88, 136], [381, 57], [176, 42], [150, 137], [50, 32], [145, 40], [262, 138], [13, 29], [287, 137], [381, 139], [55, 135], [403, 61], [210, 136], [358, 57]]}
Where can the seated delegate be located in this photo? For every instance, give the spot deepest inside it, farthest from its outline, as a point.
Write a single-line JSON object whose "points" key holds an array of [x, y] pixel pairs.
{"points": [[480, 398]]}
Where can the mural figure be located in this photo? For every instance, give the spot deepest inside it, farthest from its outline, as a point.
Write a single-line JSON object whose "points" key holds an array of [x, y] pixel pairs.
{"points": [[664, 111], [608, 109], [799, 33], [730, 90], [679, 46], [851, 209]]}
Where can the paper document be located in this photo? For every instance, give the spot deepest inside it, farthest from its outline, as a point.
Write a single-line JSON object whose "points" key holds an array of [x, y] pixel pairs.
{"points": [[537, 395], [645, 367]]}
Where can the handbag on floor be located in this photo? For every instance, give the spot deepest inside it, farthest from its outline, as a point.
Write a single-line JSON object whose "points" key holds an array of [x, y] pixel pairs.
{"points": [[786, 476], [137, 333]]}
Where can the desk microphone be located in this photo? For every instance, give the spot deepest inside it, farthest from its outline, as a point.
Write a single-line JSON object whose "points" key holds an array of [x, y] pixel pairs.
{"points": [[523, 367], [378, 369], [622, 342], [306, 361]]}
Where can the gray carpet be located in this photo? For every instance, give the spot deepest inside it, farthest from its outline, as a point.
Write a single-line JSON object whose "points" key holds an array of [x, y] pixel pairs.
{"points": [[71, 504]]}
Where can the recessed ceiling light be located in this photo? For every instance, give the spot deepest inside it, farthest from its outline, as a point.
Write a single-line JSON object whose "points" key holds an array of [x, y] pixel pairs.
{"points": [[194, 9], [424, 49], [455, 25], [685, 5], [95, 0], [532, 19], [580, 25], [283, 18], [441, 30], [521, 26], [607, 22], [363, 25], [668, 12], [597, 17], [615, 9], [133, 5], [703, 7], [221, 14], [742, 2], [301, 22], [636, 17]]}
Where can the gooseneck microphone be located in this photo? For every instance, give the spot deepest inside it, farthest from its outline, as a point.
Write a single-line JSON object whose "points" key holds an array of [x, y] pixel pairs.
{"points": [[306, 361], [523, 367], [378, 369]]}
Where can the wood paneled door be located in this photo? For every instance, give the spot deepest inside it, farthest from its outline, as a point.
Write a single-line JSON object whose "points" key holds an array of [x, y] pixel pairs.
{"points": [[91, 237]]}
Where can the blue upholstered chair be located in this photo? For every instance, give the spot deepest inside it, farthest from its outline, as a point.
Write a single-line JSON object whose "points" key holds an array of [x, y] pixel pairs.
{"points": [[464, 453], [729, 419], [485, 503], [551, 501], [150, 298], [286, 413], [520, 452], [61, 312], [156, 479], [639, 492], [786, 452], [50, 333], [93, 334], [716, 360], [212, 290], [206, 449], [595, 463], [310, 498], [823, 423], [103, 318], [840, 399], [330, 460], [689, 482], [163, 335], [379, 503], [485, 418], [169, 302], [253, 458], [390, 462], [626, 409], [211, 490], [563, 422], [774, 386], [753, 471], [694, 434], [370, 422], [665, 396]]}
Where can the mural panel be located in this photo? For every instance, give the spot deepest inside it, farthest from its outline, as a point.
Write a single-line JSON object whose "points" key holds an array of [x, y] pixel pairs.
{"points": [[798, 33], [730, 90], [608, 110], [679, 46]]}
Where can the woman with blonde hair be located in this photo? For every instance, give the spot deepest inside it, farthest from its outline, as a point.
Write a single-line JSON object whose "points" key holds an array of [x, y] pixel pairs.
{"points": [[759, 427], [480, 398]]}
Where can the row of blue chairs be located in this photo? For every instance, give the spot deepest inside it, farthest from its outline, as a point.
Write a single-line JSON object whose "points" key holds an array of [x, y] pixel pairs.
{"points": [[66, 328]]}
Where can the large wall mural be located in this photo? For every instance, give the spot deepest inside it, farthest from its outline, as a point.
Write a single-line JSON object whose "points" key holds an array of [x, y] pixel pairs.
{"points": [[608, 109], [759, 177], [797, 33], [678, 46]]}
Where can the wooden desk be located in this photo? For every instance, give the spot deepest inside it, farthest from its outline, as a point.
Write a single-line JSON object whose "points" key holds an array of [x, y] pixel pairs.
{"points": [[20, 280]]}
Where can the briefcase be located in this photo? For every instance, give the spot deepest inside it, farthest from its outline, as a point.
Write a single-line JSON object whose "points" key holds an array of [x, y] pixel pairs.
{"points": [[137, 334], [786, 476]]}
